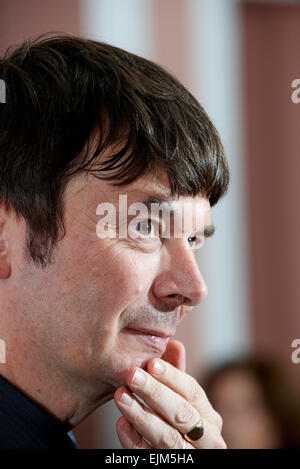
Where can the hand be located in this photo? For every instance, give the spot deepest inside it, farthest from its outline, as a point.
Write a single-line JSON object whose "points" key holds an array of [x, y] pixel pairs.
{"points": [[176, 402]]}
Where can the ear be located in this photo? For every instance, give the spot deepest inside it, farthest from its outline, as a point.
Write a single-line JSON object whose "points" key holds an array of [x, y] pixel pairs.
{"points": [[5, 267]]}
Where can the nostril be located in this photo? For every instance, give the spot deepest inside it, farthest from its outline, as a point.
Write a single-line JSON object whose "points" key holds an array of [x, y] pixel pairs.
{"points": [[166, 303], [178, 299]]}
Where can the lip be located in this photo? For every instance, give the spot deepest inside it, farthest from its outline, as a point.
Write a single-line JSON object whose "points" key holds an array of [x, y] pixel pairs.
{"points": [[157, 340], [151, 332]]}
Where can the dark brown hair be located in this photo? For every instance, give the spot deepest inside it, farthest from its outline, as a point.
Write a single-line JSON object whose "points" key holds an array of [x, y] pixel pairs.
{"points": [[58, 89]]}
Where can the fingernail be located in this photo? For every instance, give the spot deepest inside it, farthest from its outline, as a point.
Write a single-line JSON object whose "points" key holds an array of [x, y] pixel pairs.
{"points": [[158, 367], [126, 399], [138, 378]]}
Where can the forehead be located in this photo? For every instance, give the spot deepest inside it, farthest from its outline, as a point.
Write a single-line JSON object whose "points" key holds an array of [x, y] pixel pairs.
{"points": [[155, 181], [154, 184], [156, 187], [151, 187]]}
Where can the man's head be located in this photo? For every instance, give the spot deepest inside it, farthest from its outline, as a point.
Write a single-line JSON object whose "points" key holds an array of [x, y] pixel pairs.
{"points": [[83, 123]]}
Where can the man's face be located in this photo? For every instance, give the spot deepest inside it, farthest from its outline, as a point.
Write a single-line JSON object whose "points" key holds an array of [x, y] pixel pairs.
{"points": [[105, 305]]}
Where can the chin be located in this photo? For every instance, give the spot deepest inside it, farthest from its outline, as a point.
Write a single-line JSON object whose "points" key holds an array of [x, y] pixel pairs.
{"points": [[118, 377]]}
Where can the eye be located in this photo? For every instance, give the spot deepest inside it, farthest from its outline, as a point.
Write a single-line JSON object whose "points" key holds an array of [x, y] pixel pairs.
{"points": [[145, 227], [195, 242], [192, 241], [144, 230]]}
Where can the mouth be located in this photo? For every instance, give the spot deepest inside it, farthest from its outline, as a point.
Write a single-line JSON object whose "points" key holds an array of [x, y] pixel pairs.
{"points": [[157, 340]]}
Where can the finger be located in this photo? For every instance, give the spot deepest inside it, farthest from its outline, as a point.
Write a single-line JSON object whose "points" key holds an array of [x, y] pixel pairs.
{"points": [[175, 354], [129, 437], [186, 386], [211, 439], [177, 411], [147, 423]]}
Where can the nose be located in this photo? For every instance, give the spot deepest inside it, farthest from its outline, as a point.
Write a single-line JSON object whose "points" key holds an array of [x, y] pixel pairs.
{"points": [[179, 280]]}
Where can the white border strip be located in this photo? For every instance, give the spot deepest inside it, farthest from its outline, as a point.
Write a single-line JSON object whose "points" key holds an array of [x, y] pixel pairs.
{"points": [[122, 23]]}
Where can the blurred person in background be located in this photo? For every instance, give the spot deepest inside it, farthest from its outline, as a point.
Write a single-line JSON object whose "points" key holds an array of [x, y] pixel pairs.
{"points": [[258, 408]]}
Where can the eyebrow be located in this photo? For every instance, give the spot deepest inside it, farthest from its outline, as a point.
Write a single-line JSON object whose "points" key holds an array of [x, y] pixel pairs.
{"points": [[209, 230], [167, 207]]}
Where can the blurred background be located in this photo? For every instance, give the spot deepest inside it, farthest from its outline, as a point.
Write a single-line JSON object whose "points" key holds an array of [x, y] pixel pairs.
{"points": [[239, 59]]}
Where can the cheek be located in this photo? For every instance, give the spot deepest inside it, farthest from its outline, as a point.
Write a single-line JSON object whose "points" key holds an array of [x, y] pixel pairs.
{"points": [[125, 275]]}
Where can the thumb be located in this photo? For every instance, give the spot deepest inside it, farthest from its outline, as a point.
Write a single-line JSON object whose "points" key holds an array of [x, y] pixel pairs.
{"points": [[175, 354]]}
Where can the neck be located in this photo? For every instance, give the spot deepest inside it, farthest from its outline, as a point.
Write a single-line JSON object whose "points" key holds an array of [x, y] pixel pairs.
{"points": [[68, 397]]}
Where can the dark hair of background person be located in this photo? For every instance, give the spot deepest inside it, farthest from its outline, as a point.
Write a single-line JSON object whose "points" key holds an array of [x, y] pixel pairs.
{"points": [[63, 90], [278, 396]]}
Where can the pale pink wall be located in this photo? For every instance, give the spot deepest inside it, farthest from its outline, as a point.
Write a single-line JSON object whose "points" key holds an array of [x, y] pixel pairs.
{"points": [[271, 60], [19, 19], [170, 37]]}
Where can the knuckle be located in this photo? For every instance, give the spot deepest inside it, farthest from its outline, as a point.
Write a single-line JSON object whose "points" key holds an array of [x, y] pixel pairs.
{"points": [[140, 419], [185, 413], [171, 439], [195, 390], [154, 393]]}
